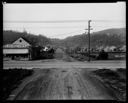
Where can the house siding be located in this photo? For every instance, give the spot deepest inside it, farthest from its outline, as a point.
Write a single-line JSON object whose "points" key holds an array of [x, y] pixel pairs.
{"points": [[19, 48]]}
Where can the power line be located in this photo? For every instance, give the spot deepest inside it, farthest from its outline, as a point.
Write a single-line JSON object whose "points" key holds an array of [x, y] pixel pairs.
{"points": [[68, 32], [47, 21], [71, 32], [49, 27], [59, 21]]}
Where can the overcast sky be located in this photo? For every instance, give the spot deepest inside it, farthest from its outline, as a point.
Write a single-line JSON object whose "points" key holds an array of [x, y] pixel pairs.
{"points": [[60, 20]]}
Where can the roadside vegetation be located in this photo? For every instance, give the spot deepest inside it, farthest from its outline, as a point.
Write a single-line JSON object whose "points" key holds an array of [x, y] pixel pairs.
{"points": [[11, 79], [99, 55], [75, 46], [96, 56], [114, 79]]}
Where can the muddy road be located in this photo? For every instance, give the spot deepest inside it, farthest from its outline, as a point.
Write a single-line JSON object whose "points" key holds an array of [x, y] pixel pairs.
{"points": [[62, 83], [56, 84]]}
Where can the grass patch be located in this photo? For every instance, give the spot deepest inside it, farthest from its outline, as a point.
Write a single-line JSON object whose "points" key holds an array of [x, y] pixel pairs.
{"points": [[12, 78], [115, 79]]}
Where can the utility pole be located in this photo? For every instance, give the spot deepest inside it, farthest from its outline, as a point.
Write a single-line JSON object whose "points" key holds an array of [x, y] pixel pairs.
{"points": [[89, 28]]}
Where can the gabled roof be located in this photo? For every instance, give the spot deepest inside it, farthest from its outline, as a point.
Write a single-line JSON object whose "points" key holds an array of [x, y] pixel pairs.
{"points": [[22, 38], [21, 41]]}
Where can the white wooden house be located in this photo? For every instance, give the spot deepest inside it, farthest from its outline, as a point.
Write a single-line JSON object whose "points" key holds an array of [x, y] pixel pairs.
{"points": [[19, 48]]}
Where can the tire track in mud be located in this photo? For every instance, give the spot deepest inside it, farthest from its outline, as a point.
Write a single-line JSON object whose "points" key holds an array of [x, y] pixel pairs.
{"points": [[59, 84], [83, 90], [33, 90], [56, 89], [96, 90], [72, 86], [61, 55]]}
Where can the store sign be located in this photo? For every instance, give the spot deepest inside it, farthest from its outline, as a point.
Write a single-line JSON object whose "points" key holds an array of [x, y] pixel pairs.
{"points": [[15, 46]]}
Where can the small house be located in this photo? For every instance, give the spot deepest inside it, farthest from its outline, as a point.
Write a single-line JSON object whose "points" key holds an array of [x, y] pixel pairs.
{"points": [[112, 48], [20, 48], [123, 48]]}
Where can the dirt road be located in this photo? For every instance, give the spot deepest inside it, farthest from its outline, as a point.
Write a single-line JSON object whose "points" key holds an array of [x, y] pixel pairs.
{"points": [[61, 83], [62, 60]]}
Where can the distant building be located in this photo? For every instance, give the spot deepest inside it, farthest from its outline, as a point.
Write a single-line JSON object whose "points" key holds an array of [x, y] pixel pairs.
{"points": [[107, 49], [17, 50], [100, 48], [123, 48], [45, 48], [112, 48]]}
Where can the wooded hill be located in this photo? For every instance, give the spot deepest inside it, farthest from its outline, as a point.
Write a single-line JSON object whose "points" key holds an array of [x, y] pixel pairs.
{"points": [[11, 36], [109, 37]]}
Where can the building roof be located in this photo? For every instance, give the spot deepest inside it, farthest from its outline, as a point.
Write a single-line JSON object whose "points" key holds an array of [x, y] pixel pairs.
{"points": [[19, 43]]}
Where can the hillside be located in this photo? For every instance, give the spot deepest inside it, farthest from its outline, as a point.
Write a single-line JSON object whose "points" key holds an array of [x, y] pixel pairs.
{"points": [[118, 31], [106, 37], [11, 36]]}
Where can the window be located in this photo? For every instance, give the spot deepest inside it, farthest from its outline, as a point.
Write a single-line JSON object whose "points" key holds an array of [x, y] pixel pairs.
{"points": [[20, 40]]}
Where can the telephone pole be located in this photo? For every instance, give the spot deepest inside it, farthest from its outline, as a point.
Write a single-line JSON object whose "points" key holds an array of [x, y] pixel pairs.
{"points": [[89, 28]]}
